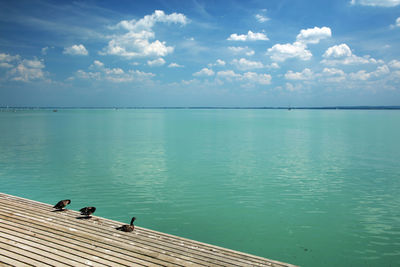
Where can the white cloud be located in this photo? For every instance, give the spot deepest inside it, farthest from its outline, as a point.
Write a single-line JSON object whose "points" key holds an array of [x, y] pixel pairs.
{"points": [[281, 52], [76, 50], [204, 72], [289, 87], [248, 77], [175, 65], [313, 35], [114, 71], [218, 62], [156, 62], [23, 70], [273, 65], [148, 21], [190, 82], [292, 88], [333, 72], [298, 49], [353, 60], [364, 75], [5, 60], [27, 70], [35, 64], [250, 53], [157, 48], [88, 75], [140, 75], [338, 51], [306, 74], [136, 42], [395, 64], [227, 74], [253, 77], [396, 24], [115, 75], [381, 70], [5, 65], [250, 36], [382, 3], [360, 75], [333, 75], [239, 50], [98, 64], [8, 58], [261, 18], [245, 64], [342, 55], [44, 50], [396, 74]]}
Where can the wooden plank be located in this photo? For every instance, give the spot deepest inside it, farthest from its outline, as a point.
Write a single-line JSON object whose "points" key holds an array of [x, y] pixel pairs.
{"points": [[24, 207], [116, 235], [105, 256], [197, 246], [77, 236], [119, 235], [209, 259], [32, 224], [25, 253], [41, 252], [210, 249], [35, 241], [10, 257], [81, 236], [6, 261]]}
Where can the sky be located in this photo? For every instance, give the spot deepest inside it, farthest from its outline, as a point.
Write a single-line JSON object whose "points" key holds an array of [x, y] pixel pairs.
{"points": [[170, 53]]}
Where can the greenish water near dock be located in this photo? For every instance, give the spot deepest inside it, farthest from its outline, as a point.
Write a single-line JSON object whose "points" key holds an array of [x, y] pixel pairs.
{"points": [[308, 187]]}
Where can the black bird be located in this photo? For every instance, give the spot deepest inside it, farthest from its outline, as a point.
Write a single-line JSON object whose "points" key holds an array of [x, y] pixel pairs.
{"points": [[62, 204], [87, 211], [126, 227]]}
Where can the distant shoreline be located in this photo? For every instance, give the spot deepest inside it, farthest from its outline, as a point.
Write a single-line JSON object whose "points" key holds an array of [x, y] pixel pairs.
{"points": [[288, 108]]}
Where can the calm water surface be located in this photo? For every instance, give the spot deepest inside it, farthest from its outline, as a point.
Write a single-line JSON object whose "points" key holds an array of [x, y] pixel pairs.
{"points": [[309, 187]]}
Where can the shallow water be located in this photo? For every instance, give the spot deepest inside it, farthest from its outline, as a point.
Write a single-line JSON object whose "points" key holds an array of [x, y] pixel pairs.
{"points": [[308, 187]]}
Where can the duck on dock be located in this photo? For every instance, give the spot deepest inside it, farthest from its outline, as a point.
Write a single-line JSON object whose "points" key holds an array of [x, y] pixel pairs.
{"points": [[62, 204], [87, 211], [126, 227]]}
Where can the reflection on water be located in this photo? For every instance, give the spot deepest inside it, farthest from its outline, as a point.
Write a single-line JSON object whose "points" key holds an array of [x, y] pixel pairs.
{"points": [[314, 188]]}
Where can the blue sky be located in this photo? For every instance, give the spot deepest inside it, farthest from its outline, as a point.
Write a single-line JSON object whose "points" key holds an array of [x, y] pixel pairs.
{"points": [[199, 53]]}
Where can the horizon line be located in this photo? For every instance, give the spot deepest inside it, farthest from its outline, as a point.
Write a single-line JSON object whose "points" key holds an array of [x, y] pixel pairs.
{"points": [[203, 107]]}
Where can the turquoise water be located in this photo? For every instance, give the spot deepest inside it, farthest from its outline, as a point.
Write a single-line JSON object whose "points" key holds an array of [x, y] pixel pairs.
{"points": [[309, 187]]}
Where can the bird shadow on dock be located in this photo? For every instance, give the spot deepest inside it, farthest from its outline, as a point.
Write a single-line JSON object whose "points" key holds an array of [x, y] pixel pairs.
{"points": [[83, 217], [59, 210]]}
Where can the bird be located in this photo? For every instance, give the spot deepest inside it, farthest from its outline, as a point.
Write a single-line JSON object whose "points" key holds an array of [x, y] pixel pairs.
{"points": [[62, 204], [87, 211], [126, 227]]}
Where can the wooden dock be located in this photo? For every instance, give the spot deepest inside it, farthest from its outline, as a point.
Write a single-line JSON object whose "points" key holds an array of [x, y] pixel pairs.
{"points": [[32, 234]]}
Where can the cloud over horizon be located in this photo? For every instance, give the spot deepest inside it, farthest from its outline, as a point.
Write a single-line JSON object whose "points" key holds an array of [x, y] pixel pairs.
{"points": [[299, 49], [250, 36], [76, 50], [259, 54], [381, 3], [136, 41]]}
